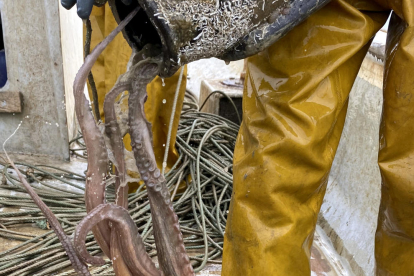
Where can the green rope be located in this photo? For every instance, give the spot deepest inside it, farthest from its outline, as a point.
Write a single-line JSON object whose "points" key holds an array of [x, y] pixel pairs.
{"points": [[200, 183]]}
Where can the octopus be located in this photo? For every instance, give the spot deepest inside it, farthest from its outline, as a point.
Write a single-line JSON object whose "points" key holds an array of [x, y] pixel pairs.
{"points": [[113, 228]]}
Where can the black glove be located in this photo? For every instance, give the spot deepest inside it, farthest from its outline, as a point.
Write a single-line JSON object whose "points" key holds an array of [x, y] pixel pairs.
{"points": [[85, 6]]}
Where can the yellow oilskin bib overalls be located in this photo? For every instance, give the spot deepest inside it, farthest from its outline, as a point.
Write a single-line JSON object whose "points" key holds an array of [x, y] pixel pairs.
{"points": [[294, 107]]}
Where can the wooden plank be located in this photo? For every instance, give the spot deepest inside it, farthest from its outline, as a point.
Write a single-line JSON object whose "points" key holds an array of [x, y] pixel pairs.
{"points": [[10, 102]]}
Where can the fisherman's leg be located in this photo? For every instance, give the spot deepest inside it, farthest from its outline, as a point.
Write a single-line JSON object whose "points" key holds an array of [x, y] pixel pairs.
{"points": [[394, 248], [294, 107]]}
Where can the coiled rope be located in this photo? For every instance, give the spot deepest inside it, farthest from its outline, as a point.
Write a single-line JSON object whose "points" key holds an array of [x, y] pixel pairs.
{"points": [[200, 183]]}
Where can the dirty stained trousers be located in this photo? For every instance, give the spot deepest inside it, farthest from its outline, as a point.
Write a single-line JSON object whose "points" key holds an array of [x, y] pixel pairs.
{"points": [[294, 107]]}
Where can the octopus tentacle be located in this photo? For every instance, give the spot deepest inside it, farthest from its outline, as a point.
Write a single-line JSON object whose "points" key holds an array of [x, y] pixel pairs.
{"points": [[113, 133], [168, 238], [112, 129], [78, 265], [131, 246], [118, 262], [97, 154], [81, 230]]}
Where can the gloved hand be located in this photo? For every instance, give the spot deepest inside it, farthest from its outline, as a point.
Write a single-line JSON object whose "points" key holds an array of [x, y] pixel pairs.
{"points": [[85, 6]]}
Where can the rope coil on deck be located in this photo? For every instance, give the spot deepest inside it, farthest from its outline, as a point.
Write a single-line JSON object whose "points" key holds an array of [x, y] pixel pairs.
{"points": [[200, 183]]}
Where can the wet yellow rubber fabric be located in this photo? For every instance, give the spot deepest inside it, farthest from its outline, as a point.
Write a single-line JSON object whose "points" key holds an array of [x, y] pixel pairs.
{"points": [[294, 106], [394, 248], [112, 63]]}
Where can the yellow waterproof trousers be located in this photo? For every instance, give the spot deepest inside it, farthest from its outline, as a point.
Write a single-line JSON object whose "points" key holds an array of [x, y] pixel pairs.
{"points": [[112, 63], [294, 107]]}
